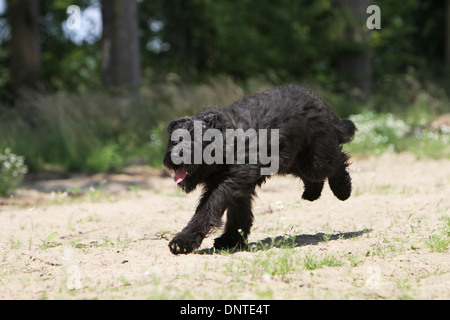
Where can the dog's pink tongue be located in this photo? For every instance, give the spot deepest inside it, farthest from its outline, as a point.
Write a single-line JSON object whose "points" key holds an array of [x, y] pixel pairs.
{"points": [[180, 174]]}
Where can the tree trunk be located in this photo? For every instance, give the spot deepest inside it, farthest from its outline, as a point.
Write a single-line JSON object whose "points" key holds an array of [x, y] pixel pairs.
{"points": [[120, 44], [447, 35], [25, 44], [354, 64]]}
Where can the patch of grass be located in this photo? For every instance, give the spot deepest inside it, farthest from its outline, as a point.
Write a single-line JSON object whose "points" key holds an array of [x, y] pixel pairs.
{"points": [[356, 261], [440, 240], [312, 262], [77, 244], [48, 242], [118, 243], [96, 194], [437, 243], [279, 263], [275, 262], [14, 244]]}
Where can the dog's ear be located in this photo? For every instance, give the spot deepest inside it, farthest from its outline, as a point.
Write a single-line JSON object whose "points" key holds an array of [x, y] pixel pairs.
{"points": [[176, 123], [211, 121]]}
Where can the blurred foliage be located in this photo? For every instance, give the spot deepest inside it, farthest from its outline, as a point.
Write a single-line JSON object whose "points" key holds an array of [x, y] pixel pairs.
{"points": [[384, 132], [280, 40], [96, 132], [412, 35], [12, 170], [286, 39]]}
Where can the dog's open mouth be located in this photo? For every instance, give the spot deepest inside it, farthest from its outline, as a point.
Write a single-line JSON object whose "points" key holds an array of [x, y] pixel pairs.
{"points": [[180, 174]]}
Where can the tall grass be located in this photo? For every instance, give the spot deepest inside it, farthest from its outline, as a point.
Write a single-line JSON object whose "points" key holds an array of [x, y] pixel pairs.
{"points": [[97, 132]]}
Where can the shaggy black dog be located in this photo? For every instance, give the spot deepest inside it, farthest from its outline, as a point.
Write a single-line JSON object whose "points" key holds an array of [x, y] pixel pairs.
{"points": [[308, 145]]}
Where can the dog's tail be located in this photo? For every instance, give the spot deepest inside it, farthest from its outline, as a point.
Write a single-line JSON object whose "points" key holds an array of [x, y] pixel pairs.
{"points": [[346, 131]]}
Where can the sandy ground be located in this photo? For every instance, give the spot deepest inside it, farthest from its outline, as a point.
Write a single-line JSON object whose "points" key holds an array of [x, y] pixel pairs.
{"points": [[112, 243]]}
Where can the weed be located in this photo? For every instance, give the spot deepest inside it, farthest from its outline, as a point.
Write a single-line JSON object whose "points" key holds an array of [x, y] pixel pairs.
{"points": [[356, 261], [311, 262], [76, 191], [440, 240], [107, 242], [136, 190], [95, 194], [14, 244], [48, 242], [275, 263], [437, 243], [77, 245]]}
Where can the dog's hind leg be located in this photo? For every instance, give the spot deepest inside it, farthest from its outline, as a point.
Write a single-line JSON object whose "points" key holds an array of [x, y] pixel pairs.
{"points": [[312, 190], [238, 225], [304, 169], [340, 181]]}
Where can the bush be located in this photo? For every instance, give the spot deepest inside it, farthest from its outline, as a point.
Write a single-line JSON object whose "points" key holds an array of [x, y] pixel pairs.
{"points": [[384, 132], [12, 171], [377, 133]]}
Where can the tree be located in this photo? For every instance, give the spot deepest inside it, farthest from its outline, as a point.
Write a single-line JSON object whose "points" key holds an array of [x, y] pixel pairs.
{"points": [[447, 35], [26, 49], [120, 44], [354, 60]]}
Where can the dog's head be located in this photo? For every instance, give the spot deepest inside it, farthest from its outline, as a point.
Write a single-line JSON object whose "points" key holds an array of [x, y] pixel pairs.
{"points": [[185, 135]]}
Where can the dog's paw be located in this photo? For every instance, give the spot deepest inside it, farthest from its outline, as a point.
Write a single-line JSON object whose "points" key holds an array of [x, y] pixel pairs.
{"points": [[310, 195], [312, 190], [341, 185], [178, 246], [182, 244], [229, 242]]}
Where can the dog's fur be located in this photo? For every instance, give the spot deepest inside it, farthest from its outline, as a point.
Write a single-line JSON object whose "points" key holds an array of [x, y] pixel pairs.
{"points": [[310, 147]]}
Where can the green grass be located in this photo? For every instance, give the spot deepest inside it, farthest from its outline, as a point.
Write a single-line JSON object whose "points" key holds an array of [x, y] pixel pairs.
{"points": [[312, 262], [380, 133], [274, 263], [48, 242], [439, 241]]}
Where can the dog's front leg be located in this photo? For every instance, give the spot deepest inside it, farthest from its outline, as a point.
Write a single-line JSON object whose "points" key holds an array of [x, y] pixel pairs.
{"points": [[207, 216]]}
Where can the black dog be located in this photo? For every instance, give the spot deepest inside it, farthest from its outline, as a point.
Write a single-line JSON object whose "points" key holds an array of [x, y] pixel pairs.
{"points": [[308, 145]]}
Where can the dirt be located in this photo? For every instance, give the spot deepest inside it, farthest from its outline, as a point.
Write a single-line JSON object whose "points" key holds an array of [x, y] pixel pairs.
{"points": [[106, 237]]}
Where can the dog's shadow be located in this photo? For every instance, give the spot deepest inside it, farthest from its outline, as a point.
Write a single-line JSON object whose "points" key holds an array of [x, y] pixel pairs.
{"points": [[287, 242]]}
